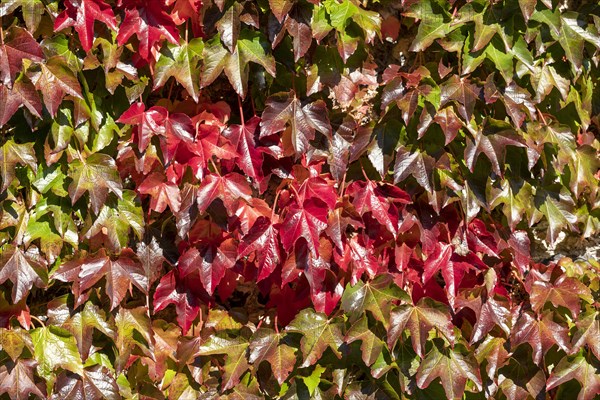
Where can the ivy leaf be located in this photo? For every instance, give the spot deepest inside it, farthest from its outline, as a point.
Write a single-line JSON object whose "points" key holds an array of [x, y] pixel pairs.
{"points": [[250, 158], [23, 269], [285, 108], [281, 8], [263, 239], [419, 165], [173, 289], [32, 11], [493, 351], [250, 48], [377, 296], [114, 222], [180, 62], [152, 259], [95, 382], [319, 333], [119, 273], [565, 292], [371, 345], [235, 361], [558, 212], [447, 119], [489, 313], [546, 79], [587, 333], [16, 46], [464, 93], [97, 174], [419, 319], [452, 367], [515, 197], [372, 198], [266, 345], [17, 379], [580, 369], [228, 188], [82, 324], [210, 262], [162, 192], [22, 93], [150, 23], [12, 154], [229, 26], [431, 27], [307, 221], [81, 15], [55, 79], [55, 347], [493, 146], [13, 341], [541, 334]]}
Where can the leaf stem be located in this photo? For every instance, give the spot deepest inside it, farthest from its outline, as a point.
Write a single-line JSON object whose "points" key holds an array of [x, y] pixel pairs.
{"points": [[38, 320], [243, 123]]}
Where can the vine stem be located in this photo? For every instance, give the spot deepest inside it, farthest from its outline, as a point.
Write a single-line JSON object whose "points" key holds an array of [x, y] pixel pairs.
{"points": [[241, 111], [38, 320]]}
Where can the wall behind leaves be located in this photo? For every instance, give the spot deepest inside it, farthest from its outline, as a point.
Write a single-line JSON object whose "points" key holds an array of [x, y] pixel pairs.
{"points": [[298, 199]]}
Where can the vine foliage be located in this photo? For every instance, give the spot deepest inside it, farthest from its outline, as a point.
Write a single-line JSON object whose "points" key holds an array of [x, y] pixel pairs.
{"points": [[298, 199]]}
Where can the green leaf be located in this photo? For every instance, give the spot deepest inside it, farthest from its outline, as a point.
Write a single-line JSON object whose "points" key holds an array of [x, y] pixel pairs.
{"points": [[431, 27], [12, 154], [236, 362], [371, 345], [319, 333], [55, 347], [97, 174], [251, 47], [181, 62], [453, 366], [32, 11], [580, 369], [376, 296]]}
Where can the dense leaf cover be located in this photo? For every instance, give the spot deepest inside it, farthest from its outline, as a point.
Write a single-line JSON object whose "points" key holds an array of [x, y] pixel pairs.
{"points": [[298, 199]]}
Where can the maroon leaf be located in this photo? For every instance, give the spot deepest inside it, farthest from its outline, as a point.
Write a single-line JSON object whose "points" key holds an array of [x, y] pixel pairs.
{"points": [[173, 289], [242, 138], [150, 22], [263, 239], [541, 334], [18, 45], [120, 273], [23, 269], [285, 108], [308, 221]]}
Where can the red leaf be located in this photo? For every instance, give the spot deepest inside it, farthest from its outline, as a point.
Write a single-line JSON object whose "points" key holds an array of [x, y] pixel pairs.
{"points": [[149, 21], [285, 108], [162, 193], [172, 289], [16, 46], [250, 159], [263, 238], [81, 14], [228, 188], [308, 221], [541, 334], [119, 273], [209, 262]]}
